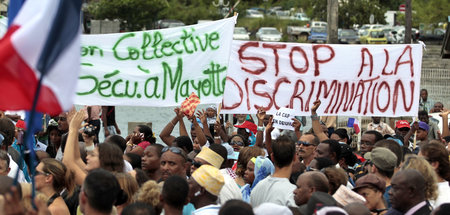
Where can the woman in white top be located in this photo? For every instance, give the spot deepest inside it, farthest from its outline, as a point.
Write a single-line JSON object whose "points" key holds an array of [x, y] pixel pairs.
{"points": [[436, 154]]}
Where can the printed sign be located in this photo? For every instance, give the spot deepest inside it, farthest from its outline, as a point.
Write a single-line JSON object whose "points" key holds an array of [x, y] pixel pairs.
{"points": [[283, 119], [156, 68], [350, 80]]}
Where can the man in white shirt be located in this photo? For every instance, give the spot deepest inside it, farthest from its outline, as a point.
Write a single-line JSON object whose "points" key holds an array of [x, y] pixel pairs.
{"points": [[379, 126], [277, 188]]}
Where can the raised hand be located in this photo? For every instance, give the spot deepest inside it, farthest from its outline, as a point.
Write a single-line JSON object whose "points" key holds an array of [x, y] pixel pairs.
{"points": [[444, 113], [77, 119], [71, 114], [296, 124], [179, 113], [201, 114], [136, 138], [261, 114], [269, 127], [315, 106], [415, 126]]}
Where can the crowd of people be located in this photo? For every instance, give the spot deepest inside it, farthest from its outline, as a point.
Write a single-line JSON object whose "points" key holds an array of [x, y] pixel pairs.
{"points": [[243, 166]]}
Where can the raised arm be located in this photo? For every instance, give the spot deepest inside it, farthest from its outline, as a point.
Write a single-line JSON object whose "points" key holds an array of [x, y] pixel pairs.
{"points": [[104, 120], [72, 158], [166, 133], [444, 115], [413, 129], [315, 122], [201, 138], [181, 126], [202, 116], [259, 134], [218, 127], [297, 124], [268, 131]]}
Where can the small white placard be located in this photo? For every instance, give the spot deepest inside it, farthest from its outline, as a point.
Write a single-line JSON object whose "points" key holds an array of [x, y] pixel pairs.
{"points": [[283, 119]]}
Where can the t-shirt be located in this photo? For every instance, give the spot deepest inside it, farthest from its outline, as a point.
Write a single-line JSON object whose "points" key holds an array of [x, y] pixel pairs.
{"points": [[275, 190], [230, 189], [444, 194], [144, 144], [207, 210], [14, 168], [433, 132], [386, 196], [127, 166]]}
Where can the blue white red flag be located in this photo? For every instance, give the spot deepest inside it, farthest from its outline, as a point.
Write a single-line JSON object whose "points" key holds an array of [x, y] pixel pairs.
{"points": [[43, 40], [354, 123]]}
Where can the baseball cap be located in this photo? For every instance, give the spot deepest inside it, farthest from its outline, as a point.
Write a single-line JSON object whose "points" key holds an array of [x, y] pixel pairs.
{"points": [[424, 126], [402, 124], [248, 125], [370, 180], [382, 158]]}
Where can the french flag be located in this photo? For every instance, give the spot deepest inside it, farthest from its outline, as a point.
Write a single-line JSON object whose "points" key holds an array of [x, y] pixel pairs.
{"points": [[354, 123], [42, 44]]}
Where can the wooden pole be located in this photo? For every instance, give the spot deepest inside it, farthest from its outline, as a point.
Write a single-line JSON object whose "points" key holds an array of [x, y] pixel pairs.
{"points": [[332, 20], [408, 21]]}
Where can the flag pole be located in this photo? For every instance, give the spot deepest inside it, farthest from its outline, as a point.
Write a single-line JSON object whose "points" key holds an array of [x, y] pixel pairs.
{"points": [[28, 142]]}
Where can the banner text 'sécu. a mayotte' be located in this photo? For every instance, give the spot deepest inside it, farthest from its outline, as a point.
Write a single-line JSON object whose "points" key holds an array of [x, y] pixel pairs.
{"points": [[157, 67]]}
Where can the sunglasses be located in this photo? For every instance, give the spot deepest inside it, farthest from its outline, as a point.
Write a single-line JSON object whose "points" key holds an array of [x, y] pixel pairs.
{"points": [[239, 143], [303, 143], [62, 118], [196, 164], [41, 173], [310, 169], [175, 150]]}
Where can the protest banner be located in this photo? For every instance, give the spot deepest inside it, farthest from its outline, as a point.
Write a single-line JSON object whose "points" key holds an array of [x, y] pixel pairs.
{"points": [[283, 119], [157, 67], [350, 80]]}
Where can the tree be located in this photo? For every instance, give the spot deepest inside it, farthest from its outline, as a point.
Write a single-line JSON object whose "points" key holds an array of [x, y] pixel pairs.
{"points": [[350, 11], [190, 11], [359, 11], [430, 11], [133, 14]]}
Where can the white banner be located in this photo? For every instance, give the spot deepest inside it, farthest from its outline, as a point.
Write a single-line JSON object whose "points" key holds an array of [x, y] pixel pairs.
{"points": [[157, 67], [350, 80]]}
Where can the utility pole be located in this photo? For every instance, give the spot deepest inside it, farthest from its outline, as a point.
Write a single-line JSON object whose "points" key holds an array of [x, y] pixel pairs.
{"points": [[408, 21], [332, 20]]}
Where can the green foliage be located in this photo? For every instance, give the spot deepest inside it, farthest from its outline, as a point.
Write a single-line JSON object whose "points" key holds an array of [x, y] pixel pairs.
{"points": [[189, 12], [350, 11], [134, 14], [392, 4], [252, 24], [430, 11], [359, 11]]}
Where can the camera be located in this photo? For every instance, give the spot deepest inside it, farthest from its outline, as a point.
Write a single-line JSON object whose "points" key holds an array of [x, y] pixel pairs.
{"points": [[89, 130]]}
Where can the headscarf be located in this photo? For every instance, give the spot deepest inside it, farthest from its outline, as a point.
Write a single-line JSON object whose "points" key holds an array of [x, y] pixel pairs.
{"points": [[263, 168]]}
